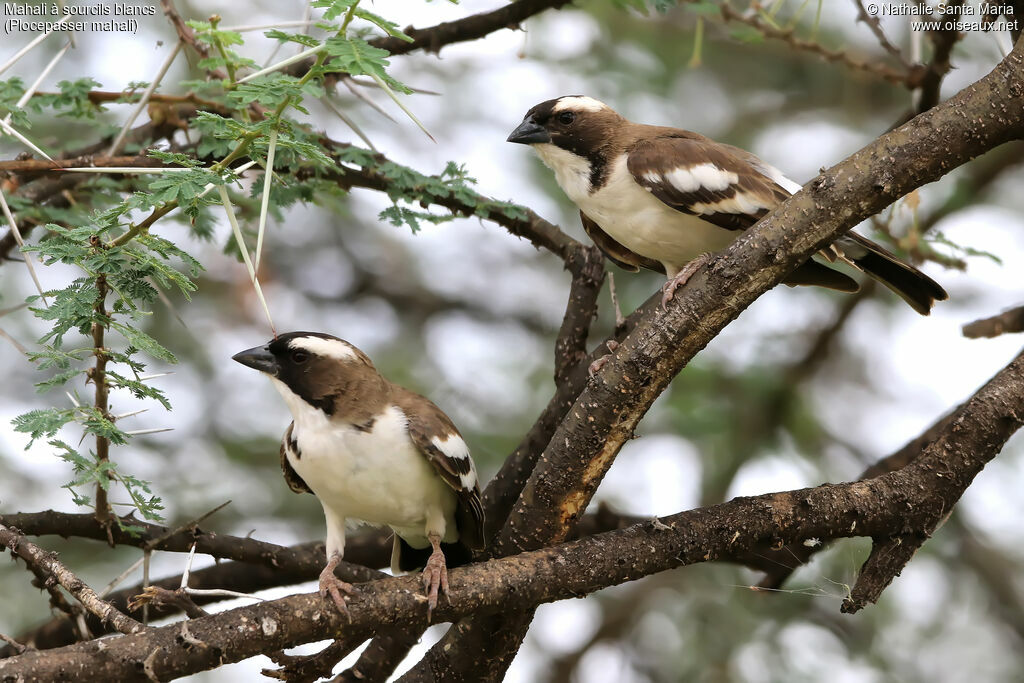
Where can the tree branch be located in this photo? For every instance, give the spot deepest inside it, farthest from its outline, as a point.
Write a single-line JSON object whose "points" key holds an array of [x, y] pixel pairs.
{"points": [[587, 267], [470, 28], [907, 77], [1006, 322], [982, 116], [47, 562], [914, 497]]}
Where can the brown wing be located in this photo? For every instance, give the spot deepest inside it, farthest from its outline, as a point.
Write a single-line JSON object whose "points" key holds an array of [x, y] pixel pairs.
{"points": [[719, 183], [290, 445], [440, 442], [616, 253]]}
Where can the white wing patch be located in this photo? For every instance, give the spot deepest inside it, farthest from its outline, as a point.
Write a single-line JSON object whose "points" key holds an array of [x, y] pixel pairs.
{"points": [[708, 175], [452, 445], [455, 448], [742, 203], [327, 348], [579, 102]]}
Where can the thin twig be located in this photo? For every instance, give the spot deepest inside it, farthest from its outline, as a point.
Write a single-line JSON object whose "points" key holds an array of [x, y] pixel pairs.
{"points": [[876, 27], [98, 375], [39, 558], [18, 647], [1006, 322], [789, 37]]}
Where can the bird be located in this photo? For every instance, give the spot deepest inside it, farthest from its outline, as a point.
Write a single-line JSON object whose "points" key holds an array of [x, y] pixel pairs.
{"points": [[666, 199], [372, 451]]}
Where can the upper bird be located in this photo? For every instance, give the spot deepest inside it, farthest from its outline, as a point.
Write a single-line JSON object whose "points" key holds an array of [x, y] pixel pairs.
{"points": [[665, 198], [375, 452]]}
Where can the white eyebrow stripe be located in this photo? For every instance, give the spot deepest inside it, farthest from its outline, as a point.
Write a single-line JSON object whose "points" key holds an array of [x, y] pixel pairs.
{"points": [[579, 102], [327, 348], [707, 175]]}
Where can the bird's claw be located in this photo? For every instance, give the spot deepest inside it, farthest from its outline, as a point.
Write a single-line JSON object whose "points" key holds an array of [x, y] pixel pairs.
{"points": [[333, 587], [681, 278], [435, 579], [596, 366]]}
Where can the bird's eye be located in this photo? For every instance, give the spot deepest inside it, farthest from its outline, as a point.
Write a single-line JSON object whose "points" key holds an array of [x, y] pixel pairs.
{"points": [[299, 357], [566, 118]]}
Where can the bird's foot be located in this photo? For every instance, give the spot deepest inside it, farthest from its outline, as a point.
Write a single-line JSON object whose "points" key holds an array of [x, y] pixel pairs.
{"points": [[435, 575], [682, 277], [596, 366], [331, 585]]}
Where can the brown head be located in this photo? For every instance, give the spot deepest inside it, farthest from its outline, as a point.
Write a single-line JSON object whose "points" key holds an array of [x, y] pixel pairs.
{"points": [[323, 371], [575, 123]]}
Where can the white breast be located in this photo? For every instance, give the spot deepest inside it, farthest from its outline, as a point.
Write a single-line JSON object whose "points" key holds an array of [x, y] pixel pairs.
{"points": [[633, 216], [377, 475]]}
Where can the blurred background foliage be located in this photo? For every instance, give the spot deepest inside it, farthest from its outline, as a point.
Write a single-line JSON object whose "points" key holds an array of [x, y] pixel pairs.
{"points": [[807, 386]]}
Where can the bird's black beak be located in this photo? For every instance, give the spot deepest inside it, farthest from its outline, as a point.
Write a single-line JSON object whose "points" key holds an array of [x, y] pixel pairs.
{"points": [[257, 358], [529, 133]]}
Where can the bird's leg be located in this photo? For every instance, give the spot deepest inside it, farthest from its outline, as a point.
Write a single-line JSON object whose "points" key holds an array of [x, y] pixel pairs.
{"points": [[596, 366], [682, 277], [333, 586], [435, 574]]}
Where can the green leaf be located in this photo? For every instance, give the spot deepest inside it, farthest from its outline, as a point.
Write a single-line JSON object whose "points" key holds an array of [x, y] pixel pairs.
{"points": [[43, 423], [388, 27], [144, 342], [300, 38], [97, 424], [182, 187], [358, 58], [71, 307], [138, 389], [174, 158], [334, 8], [51, 357], [59, 379], [210, 35], [704, 8], [269, 91], [73, 99]]}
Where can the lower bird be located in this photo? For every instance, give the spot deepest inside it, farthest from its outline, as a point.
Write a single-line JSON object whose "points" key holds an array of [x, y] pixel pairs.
{"points": [[666, 199], [373, 451]]}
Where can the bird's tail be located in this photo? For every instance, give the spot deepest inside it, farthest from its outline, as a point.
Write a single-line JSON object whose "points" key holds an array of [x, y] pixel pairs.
{"points": [[913, 286], [405, 558]]}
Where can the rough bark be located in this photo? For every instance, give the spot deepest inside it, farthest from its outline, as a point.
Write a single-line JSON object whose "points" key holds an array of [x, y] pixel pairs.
{"points": [[913, 498]]}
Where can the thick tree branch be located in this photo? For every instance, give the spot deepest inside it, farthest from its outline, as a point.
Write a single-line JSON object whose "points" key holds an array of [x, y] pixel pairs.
{"points": [[981, 117], [914, 497]]}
